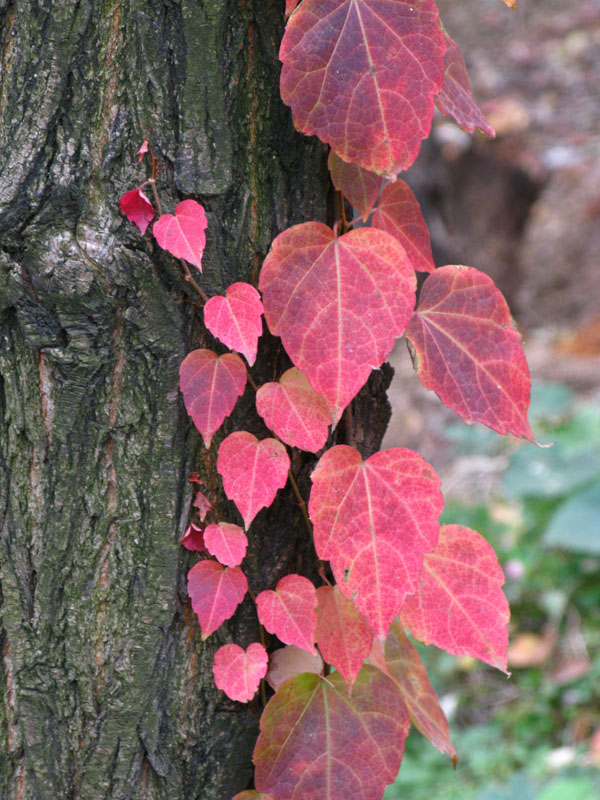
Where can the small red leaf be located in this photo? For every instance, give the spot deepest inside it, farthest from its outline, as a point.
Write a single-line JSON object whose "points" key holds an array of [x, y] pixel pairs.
{"points": [[216, 592], [343, 634], [236, 319], [252, 471], [374, 520], [142, 151], [468, 351], [238, 672], [289, 661], [338, 304], [294, 411], [226, 542], [361, 75], [137, 208], [289, 611], [459, 604], [203, 504], [398, 213], [211, 385], [456, 96], [183, 235], [358, 185], [193, 539]]}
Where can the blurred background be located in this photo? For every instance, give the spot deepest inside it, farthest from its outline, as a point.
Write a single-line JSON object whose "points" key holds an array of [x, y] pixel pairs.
{"points": [[525, 208]]}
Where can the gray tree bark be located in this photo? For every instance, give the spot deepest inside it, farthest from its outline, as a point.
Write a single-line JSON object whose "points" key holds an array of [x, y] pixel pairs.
{"points": [[107, 687]]}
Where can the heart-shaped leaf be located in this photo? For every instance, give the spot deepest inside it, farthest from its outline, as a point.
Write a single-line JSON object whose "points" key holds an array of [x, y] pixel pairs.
{"points": [[226, 542], [236, 319], [216, 592], [238, 672], [398, 213], [252, 471], [289, 611], [183, 235], [359, 186], [137, 208], [289, 661]]}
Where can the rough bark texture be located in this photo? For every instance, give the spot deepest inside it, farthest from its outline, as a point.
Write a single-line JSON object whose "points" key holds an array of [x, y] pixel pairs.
{"points": [[107, 687]]}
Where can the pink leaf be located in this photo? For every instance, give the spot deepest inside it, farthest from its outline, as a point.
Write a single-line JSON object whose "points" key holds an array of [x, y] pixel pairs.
{"points": [[359, 186], [236, 319], [238, 672], [398, 213], [289, 661], [459, 604], [193, 539], [252, 471], [202, 503], [216, 592], [142, 151], [211, 385], [374, 521], [294, 411], [290, 5], [289, 611], [183, 235], [137, 208], [226, 542]]}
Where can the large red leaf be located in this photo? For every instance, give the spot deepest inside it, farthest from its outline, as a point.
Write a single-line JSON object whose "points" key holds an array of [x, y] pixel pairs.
{"points": [[361, 75], [316, 743], [211, 385], [374, 520], [252, 471], [406, 669], [398, 213], [294, 411], [343, 634], [216, 592], [468, 351], [226, 542], [289, 611], [358, 185], [289, 661], [459, 604], [456, 97], [183, 234], [236, 319], [338, 304], [137, 208], [238, 672]]}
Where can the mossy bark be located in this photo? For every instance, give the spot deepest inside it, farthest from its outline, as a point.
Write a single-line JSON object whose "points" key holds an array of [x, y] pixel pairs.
{"points": [[107, 687]]}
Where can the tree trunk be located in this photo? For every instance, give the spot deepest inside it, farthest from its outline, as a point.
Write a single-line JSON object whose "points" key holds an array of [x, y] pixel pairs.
{"points": [[108, 688]]}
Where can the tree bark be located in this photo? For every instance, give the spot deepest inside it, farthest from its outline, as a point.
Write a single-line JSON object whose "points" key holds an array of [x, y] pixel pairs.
{"points": [[107, 686]]}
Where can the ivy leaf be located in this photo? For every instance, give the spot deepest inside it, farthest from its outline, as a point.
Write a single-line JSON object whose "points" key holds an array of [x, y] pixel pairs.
{"points": [[316, 743], [236, 319], [202, 504], [358, 185], [226, 542], [142, 151], [238, 672], [289, 611], [338, 304], [252, 471], [398, 213], [183, 235], [468, 351], [294, 411], [211, 385], [216, 592], [361, 75], [289, 661], [459, 604], [343, 634], [290, 5], [193, 539], [374, 521], [456, 96], [137, 208]]}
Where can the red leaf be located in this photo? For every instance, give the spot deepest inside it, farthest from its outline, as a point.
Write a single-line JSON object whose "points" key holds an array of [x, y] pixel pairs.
{"points": [[193, 539], [142, 151], [294, 411], [338, 304], [211, 385], [358, 185], [456, 97], [215, 592], [361, 75], [137, 208], [290, 5], [238, 672], [407, 671], [252, 471], [459, 604], [316, 743], [183, 235], [289, 661], [202, 503], [226, 542], [398, 213], [343, 634], [468, 352], [236, 319], [289, 611], [374, 520]]}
